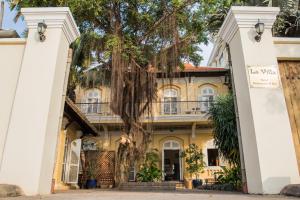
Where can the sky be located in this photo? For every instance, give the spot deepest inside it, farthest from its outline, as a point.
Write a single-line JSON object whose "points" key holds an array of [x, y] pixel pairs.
{"points": [[20, 26]]}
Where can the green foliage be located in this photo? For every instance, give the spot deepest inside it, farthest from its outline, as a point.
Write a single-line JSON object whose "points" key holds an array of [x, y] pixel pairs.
{"points": [[149, 171], [230, 176], [287, 23], [194, 159], [288, 20], [217, 12], [222, 114], [140, 35]]}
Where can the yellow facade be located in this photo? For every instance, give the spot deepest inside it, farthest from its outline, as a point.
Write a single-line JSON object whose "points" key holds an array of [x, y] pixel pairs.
{"points": [[186, 125], [69, 134]]}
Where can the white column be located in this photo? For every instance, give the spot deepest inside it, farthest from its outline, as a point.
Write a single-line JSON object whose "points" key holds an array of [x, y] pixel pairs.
{"points": [[29, 152], [269, 152]]}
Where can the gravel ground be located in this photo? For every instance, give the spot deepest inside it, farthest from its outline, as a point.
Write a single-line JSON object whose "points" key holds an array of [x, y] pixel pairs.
{"points": [[122, 195]]}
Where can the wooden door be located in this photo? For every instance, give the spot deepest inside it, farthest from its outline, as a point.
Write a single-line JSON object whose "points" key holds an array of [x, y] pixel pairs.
{"points": [[290, 77]]}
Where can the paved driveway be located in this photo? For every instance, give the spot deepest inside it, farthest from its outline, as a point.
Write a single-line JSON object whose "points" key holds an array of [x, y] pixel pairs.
{"points": [[118, 195]]}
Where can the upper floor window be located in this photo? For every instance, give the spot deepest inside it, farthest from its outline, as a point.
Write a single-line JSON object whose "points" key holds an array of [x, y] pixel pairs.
{"points": [[206, 98], [93, 98], [170, 98]]}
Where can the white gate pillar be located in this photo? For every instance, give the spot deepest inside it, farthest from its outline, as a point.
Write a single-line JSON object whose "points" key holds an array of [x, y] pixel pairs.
{"points": [[266, 135], [29, 151]]}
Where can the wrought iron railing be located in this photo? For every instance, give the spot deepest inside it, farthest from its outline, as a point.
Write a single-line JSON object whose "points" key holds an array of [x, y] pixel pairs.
{"points": [[166, 108]]}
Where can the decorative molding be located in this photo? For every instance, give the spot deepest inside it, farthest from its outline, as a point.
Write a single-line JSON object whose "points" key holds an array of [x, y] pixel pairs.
{"points": [[54, 17], [286, 40], [13, 41], [246, 17]]}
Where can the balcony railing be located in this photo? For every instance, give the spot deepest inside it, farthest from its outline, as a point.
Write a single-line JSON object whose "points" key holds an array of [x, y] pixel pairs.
{"points": [[161, 110]]}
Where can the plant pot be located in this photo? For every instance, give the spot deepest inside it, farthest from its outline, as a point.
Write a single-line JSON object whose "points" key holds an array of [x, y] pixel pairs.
{"points": [[91, 183], [188, 184], [197, 183]]}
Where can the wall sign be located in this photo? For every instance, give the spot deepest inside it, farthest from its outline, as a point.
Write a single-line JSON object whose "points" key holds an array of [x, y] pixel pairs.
{"points": [[264, 76]]}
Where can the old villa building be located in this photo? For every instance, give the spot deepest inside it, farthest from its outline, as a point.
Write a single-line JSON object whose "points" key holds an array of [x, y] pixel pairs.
{"points": [[42, 132], [179, 119]]}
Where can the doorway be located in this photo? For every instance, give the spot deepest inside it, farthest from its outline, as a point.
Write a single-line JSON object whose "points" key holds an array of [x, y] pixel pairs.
{"points": [[171, 161], [171, 165]]}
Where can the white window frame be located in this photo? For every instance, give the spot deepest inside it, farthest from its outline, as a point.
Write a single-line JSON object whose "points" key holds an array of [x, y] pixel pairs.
{"points": [[172, 147], [211, 145], [170, 104], [92, 101], [206, 98], [67, 164]]}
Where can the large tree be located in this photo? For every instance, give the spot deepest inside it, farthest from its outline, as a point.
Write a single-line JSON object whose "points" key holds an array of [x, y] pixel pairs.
{"points": [[132, 39]]}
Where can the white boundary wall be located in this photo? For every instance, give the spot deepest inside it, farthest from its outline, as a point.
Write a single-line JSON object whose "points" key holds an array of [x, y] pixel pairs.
{"points": [[36, 77], [269, 153]]}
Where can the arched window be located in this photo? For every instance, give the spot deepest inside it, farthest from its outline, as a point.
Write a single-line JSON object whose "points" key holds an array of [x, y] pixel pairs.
{"points": [[170, 98], [171, 144], [206, 98], [93, 98]]}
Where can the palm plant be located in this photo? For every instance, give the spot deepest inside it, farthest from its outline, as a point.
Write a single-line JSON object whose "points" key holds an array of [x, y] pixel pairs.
{"points": [[222, 115]]}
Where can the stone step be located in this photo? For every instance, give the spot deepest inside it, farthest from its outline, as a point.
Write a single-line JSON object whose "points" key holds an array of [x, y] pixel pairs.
{"points": [[151, 186]]}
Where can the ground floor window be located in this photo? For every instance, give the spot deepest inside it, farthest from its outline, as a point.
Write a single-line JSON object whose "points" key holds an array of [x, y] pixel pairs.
{"points": [[71, 161], [213, 157], [65, 160], [132, 173]]}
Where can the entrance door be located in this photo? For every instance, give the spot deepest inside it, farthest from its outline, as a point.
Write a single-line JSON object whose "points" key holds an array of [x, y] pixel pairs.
{"points": [[290, 77], [171, 165], [171, 161]]}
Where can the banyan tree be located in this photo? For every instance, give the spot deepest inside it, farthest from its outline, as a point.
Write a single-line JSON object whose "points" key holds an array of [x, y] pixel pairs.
{"points": [[130, 40]]}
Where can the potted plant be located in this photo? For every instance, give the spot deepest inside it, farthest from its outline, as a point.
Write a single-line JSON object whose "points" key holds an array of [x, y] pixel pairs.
{"points": [[195, 164], [91, 173]]}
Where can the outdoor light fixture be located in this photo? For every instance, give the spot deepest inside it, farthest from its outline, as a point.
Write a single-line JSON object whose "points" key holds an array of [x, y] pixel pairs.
{"points": [[259, 27], [41, 30]]}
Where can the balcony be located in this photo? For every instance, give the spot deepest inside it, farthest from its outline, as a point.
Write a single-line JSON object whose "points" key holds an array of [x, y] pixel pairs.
{"points": [[170, 111]]}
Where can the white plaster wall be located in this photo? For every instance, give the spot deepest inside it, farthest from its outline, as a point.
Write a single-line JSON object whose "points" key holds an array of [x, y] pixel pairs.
{"points": [[35, 115], [39, 90], [273, 133], [56, 108], [245, 116], [11, 54]]}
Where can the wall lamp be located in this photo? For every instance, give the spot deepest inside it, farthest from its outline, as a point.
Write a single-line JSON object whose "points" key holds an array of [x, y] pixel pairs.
{"points": [[259, 27], [41, 30]]}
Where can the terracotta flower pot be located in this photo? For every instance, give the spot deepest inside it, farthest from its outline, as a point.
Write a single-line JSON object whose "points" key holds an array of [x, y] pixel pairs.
{"points": [[188, 183]]}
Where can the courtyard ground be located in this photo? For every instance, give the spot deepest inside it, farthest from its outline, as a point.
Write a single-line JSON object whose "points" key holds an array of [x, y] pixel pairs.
{"points": [[121, 195]]}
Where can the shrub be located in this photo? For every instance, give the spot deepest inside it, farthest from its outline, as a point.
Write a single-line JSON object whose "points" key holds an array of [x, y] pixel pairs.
{"points": [[149, 171], [194, 158], [230, 176]]}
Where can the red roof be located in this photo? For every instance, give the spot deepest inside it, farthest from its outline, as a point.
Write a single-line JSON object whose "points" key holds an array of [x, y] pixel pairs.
{"points": [[191, 68]]}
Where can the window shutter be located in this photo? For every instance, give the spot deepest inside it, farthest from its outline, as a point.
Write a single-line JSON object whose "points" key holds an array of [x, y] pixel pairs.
{"points": [[84, 105], [98, 106], [204, 104], [74, 160]]}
